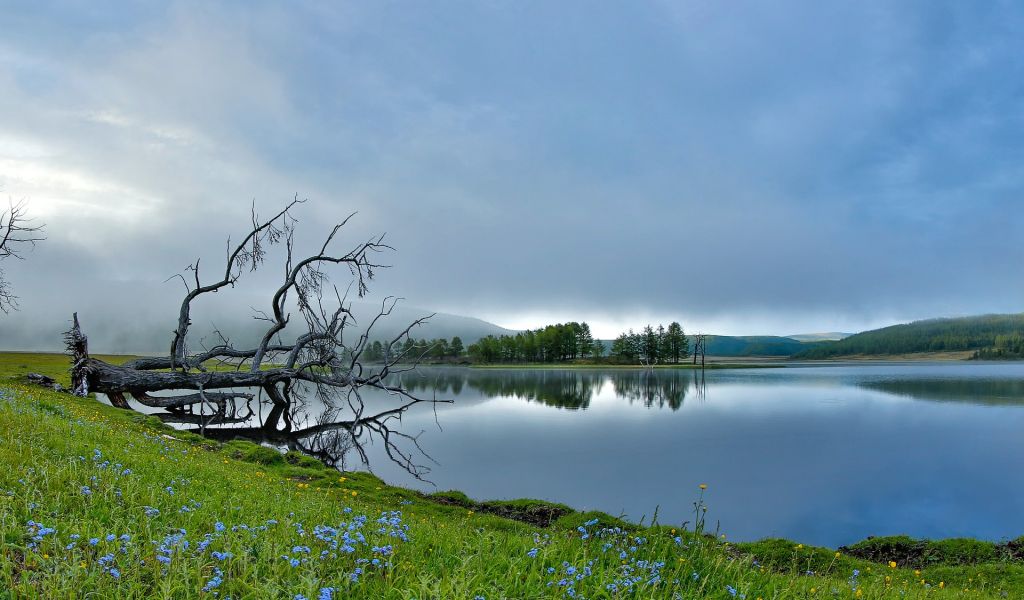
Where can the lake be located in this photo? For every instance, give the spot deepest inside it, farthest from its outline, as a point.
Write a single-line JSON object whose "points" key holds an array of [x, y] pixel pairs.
{"points": [[825, 455]]}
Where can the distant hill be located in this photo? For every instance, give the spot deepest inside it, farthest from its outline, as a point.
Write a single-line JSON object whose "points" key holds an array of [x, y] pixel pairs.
{"points": [[827, 336], [993, 336], [745, 345], [753, 345], [151, 334]]}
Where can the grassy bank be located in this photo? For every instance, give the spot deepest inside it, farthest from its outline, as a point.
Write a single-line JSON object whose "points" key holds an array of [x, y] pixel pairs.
{"points": [[94, 500]]}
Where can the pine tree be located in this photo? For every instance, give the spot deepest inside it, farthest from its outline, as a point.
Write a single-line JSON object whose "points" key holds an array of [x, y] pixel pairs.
{"points": [[677, 344]]}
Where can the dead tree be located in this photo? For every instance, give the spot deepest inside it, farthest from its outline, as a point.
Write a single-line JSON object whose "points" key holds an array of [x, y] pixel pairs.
{"points": [[699, 347], [17, 232], [207, 387]]}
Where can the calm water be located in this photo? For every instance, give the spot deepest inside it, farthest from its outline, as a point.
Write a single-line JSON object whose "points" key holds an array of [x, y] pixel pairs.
{"points": [[826, 455], [823, 455]]}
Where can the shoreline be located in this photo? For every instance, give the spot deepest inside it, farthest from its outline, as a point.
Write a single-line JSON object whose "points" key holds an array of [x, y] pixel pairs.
{"points": [[294, 489]]}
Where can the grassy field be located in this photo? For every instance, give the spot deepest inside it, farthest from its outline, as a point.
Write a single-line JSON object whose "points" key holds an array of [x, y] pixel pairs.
{"points": [[99, 502]]}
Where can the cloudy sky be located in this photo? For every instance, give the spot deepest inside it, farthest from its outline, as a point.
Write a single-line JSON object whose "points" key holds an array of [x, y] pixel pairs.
{"points": [[744, 167]]}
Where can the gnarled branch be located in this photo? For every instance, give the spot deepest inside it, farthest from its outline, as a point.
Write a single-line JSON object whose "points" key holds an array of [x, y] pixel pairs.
{"points": [[319, 361]]}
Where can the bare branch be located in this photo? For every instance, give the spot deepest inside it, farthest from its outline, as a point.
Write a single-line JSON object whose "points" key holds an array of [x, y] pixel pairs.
{"points": [[282, 374], [250, 252], [17, 232]]}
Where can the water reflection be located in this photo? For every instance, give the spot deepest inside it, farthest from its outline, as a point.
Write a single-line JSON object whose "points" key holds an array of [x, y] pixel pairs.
{"points": [[658, 388], [831, 454], [567, 389], [571, 390], [330, 441], [994, 392]]}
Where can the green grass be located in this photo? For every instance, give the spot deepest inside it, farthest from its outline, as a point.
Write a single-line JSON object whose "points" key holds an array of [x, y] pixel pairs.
{"points": [[18, 364], [88, 470]]}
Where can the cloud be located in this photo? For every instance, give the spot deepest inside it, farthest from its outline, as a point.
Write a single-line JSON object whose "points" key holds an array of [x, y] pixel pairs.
{"points": [[823, 166]]}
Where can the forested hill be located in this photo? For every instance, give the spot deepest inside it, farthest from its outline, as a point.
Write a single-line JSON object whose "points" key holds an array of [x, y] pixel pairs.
{"points": [[990, 336], [754, 345]]}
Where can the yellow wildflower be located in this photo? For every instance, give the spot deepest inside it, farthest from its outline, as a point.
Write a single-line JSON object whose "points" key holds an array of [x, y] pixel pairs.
{"points": [[892, 564], [703, 486]]}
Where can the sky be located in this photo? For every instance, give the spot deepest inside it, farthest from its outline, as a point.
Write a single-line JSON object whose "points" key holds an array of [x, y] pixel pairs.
{"points": [[742, 167]]}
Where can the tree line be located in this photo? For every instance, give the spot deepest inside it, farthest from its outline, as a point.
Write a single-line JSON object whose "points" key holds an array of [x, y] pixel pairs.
{"points": [[1005, 347], [652, 345], [563, 342], [437, 349], [559, 343]]}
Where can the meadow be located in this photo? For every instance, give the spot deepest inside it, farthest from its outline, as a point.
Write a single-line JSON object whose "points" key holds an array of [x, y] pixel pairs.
{"points": [[101, 502]]}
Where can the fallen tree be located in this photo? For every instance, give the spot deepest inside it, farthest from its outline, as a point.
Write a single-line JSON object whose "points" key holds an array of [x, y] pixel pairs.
{"points": [[210, 386]]}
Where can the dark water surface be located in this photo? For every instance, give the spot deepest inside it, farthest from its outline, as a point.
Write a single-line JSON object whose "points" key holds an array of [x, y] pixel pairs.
{"points": [[823, 455]]}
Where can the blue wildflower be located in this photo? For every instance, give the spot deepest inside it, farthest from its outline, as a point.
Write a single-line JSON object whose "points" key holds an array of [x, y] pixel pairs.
{"points": [[215, 581]]}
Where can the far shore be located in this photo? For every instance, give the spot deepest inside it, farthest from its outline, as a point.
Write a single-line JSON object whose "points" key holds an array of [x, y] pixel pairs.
{"points": [[9, 359]]}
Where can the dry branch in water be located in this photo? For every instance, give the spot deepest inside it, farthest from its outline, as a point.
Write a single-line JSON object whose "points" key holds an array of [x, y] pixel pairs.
{"points": [[315, 362]]}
